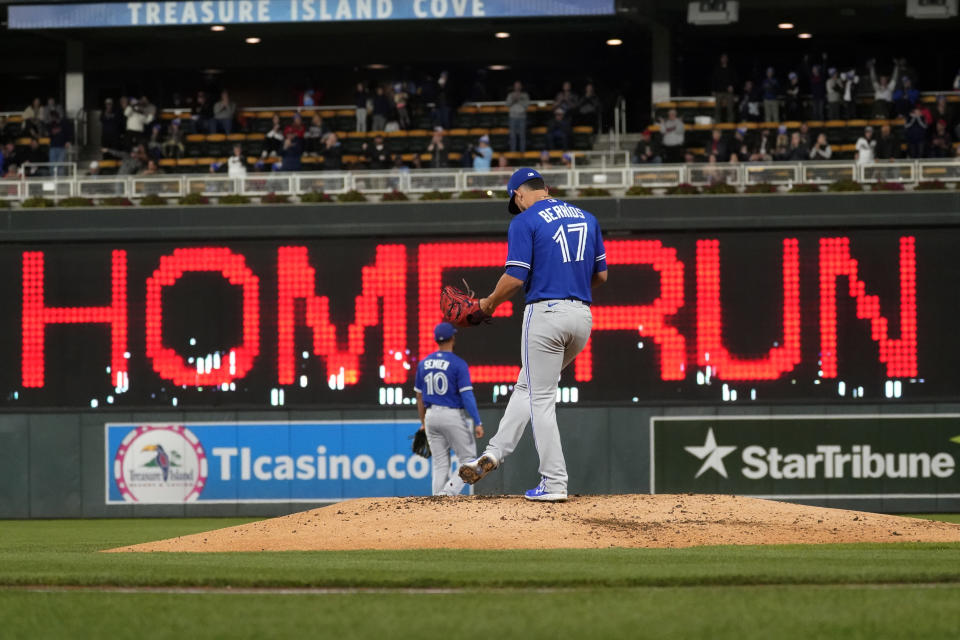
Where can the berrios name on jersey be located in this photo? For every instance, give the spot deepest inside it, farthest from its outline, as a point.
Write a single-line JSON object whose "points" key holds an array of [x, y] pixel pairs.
{"points": [[551, 214]]}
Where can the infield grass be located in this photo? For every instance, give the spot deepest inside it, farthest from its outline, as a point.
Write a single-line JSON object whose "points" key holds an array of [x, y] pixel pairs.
{"points": [[826, 591]]}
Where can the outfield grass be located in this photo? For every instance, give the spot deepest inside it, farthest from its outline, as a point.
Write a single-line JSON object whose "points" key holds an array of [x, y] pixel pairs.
{"points": [[802, 612], [846, 591]]}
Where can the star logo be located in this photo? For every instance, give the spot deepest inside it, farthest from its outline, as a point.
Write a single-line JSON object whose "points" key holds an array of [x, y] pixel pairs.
{"points": [[711, 454]]}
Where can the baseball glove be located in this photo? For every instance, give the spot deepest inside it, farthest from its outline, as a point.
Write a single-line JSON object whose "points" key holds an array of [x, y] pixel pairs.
{"points": [[420, 445], [461, 308]]}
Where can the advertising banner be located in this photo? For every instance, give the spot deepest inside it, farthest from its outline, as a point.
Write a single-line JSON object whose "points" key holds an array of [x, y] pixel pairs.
{"points": [[209, 12], [262, 462], [812, 457]]}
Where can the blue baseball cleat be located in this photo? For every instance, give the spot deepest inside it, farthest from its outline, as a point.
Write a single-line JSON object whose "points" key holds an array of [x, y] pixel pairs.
{"points": [[540, 494], [473, 470]]}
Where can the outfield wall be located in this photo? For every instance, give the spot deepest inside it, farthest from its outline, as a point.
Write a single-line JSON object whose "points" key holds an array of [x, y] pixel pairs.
{"points": [[57, 462]]}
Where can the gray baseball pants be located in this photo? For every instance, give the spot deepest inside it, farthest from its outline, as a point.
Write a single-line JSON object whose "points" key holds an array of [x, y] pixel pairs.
{"points": [[448, 428], [554, 332]]}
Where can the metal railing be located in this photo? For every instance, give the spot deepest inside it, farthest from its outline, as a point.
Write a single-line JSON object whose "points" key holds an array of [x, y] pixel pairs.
{"points": [[601, 175]]}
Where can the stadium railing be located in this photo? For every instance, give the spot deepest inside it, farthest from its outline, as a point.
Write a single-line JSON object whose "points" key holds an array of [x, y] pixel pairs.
{"points": [[611, 178]]}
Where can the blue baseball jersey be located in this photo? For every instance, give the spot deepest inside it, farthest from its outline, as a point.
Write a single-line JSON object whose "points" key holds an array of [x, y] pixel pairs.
{"points": [[443, 378], [555, 248]]}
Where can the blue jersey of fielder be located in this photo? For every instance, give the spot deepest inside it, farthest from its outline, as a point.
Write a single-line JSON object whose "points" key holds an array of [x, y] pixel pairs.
{"points": [[555, 248], [443, 378]]}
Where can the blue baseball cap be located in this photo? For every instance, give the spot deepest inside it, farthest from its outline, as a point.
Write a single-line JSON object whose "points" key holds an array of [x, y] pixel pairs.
{"points": [[518, 178], [443, 332]]}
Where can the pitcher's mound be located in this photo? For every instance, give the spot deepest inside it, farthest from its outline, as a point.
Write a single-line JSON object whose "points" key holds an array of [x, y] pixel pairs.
{"points": [[583, 522]]}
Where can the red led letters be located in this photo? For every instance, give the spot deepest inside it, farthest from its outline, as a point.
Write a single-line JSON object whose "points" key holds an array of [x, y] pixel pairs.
{"points": [[900, 356], [710, 349], [36, 315], [169, 364], [383, 302], [386, 280]]}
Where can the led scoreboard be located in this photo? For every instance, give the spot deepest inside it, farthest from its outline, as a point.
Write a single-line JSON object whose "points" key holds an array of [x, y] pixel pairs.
{"points": [[747, 316]]}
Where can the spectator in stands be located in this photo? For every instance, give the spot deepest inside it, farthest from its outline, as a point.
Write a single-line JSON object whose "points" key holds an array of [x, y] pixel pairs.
{"points": [[173, 143], [798, 149], [93, 169], [804, 132], [644, 152], [33, 119], [771, 97], [850, 82], [295, 127], [223, 113], [835, 86], [155, 143], [151, 169], [442, 101], [437, 149], [588, 109], [545, 162], [50, 108], [235, 166], [723, 83], [738, 146], [888, 144], [559, 132], [332, 152], [133, 162], [942, 111], [750, 102], [292, 152], [716, 150], [782, 149], [109, 126], [915, 131], [61, 138], [11, 171], [865, 146], [313, 135], [672, 136], [273, 140], [818, 93], [377, 155], [821, 149], [137, 120], [793, 102], [381, 110], [883, 87], [401, 99], [360, 98], [517, 102], [8, 158], [566, 99], [482, 154], [941, 144], [202, 114], [763, 150], [124, 102], [148, 108], [905, 97]]}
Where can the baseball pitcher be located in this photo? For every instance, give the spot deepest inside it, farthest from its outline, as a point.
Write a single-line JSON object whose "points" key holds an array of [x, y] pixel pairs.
{"points": [[555, 253], [444, 400]]}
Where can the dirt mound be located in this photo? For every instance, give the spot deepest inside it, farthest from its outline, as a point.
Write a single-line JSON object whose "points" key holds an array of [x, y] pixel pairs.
{"points": [[482, 522]]}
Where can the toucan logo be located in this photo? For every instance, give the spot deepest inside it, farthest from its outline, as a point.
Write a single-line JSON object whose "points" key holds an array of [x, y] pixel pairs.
{"points": [[160, 464]]}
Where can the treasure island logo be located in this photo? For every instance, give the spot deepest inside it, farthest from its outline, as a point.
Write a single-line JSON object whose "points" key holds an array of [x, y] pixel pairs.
{"points": [[160, 464]]}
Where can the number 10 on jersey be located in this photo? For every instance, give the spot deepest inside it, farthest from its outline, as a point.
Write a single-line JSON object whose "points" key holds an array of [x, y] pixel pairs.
{"points": [[436, 382], [560, 237]]}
